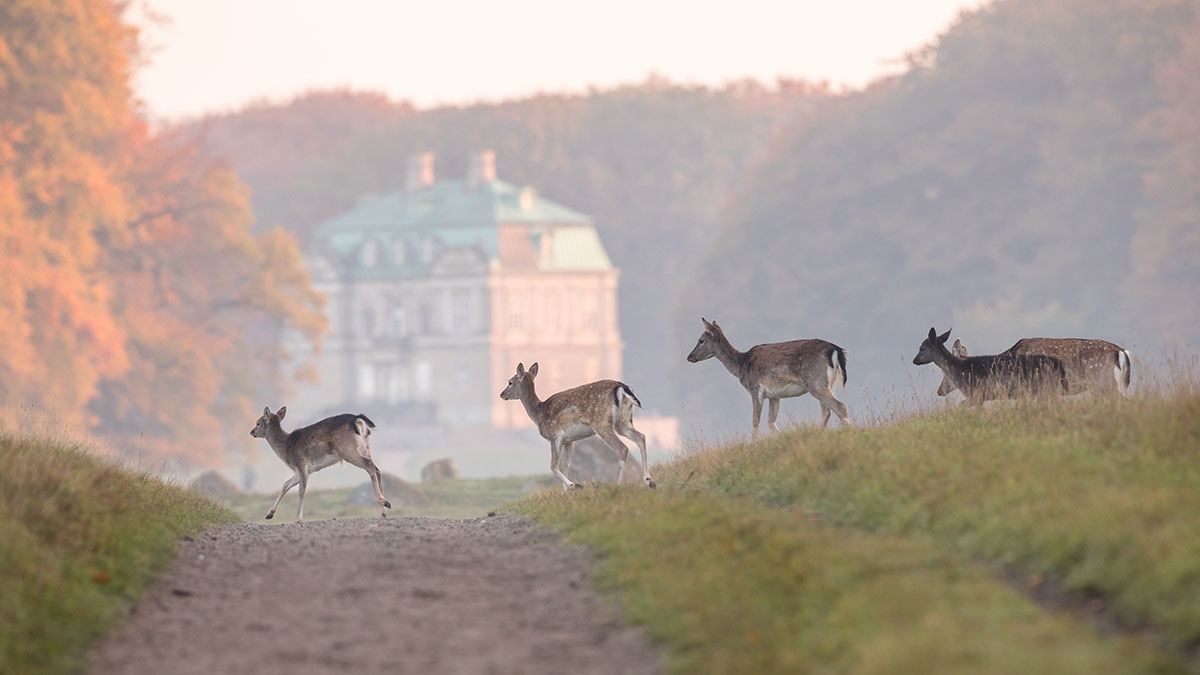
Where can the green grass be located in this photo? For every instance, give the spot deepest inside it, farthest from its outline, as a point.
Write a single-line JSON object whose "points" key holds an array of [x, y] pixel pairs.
{"points": [[458, 498], [876, 550], [79, 538]]}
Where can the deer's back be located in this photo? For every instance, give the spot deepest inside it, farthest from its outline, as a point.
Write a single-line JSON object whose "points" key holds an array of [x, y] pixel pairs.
{"points": [[1088, 362], [781, 362], [1008, 374], [588, 403], [321, 438]]}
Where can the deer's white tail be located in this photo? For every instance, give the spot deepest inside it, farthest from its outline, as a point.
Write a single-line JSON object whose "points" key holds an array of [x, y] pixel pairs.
{"points": [[1123, 372], [837, 367], [624, 392]]}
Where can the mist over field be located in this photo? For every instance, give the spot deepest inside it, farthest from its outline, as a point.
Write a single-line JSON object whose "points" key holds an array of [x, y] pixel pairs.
{"points": [[1033, 172]]}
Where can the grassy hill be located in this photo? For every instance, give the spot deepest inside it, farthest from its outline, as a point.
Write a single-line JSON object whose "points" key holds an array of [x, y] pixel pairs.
{"points": [[1013, 539], [79, 539]]}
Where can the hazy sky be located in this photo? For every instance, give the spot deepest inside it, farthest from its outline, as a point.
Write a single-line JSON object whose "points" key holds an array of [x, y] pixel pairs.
{"points": [[216, 55]]}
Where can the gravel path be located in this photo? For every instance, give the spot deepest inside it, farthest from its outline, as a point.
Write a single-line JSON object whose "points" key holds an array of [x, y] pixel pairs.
{"points": [[395, 595]]}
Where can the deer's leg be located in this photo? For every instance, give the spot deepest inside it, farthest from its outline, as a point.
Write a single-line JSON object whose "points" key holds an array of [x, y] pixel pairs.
{"points": [[824, 415], [772, 413], [756, 413], [372, 470], [303, 473], [638, 437], [564, 460], [610, 438], [555, 446], [827, 399], [287, 485]]}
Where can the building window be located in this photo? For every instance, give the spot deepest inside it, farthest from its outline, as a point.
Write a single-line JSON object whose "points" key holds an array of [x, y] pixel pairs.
{"points": [[460, 311], [462, 377], [553, 317], [368, 255], [516, 314], [366, 380], [424, 378], [399, 322]]}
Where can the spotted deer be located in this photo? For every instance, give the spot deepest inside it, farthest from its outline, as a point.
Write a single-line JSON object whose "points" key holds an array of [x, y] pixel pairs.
{"points": [[309, 449], [778, 370], [1097, 366], [603, 408], [996, 376]]}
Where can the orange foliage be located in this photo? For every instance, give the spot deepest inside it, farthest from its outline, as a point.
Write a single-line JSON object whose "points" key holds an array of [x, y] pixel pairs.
{"points": [[135, 302]]}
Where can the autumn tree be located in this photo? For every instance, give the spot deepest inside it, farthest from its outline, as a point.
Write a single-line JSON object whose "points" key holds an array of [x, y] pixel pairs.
{"points": [[137, 302]]}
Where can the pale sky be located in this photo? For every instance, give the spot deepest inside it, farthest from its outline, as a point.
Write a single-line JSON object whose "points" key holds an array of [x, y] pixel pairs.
{"points": [[218, 55]]}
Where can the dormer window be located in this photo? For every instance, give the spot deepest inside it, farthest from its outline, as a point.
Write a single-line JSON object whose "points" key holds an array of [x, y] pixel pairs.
{"points": [[368, 255]]}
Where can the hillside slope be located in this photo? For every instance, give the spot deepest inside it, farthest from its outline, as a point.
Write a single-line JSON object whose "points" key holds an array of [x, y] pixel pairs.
{"points": [[1010, 540], [80, 537]]}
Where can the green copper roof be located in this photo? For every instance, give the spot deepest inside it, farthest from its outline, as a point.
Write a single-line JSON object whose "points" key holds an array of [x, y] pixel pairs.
{"points": [[403, 227]]}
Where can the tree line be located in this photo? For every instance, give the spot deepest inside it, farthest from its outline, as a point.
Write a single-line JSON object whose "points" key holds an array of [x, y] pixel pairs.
{"points": [[137, 304]]}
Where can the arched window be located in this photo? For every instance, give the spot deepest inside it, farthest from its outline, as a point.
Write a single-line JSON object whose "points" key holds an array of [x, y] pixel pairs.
{"points": [[368, 255]]}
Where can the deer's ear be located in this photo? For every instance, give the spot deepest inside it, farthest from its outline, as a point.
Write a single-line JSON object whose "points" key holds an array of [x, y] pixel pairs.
{"points": [[706, 323], [944, 336], [266, 410], [533, 370], [282, 412], [520, 368], [932, 333]]}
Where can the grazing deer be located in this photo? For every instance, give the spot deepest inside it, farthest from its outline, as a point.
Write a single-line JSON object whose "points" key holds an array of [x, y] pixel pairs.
{"points": [[1097, 366], [342, 437], [779, 370], [603, 408], [983, 378]]}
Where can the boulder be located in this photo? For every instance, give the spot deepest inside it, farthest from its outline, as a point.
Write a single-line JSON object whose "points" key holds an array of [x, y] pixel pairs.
{"points": [[214, 485], [439, 469], [594, 460], [397, 491]]}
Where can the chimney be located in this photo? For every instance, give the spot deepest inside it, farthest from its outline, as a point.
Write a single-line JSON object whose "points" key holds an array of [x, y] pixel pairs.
{"points": [[481, 168], [420, 171]]}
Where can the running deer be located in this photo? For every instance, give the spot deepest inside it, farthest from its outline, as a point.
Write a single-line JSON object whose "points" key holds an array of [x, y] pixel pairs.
{"points": [[984, 378], [1097, 366], [779, 370], [334, 439], [603, 408]]}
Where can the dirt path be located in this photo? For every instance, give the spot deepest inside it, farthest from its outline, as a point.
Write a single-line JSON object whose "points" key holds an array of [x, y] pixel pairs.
{"points": [[395, 595]]}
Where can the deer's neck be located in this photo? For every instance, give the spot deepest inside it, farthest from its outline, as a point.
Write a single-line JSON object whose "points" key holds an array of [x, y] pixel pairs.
{"points": [[530, 400], [948, 362], [277, 438], [729, 356]]}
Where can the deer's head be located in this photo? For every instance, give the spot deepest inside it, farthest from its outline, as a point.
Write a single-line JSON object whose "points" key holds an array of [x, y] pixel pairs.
{"points": [[706, 346], [267, 420], [932, 345], [518, 382]]}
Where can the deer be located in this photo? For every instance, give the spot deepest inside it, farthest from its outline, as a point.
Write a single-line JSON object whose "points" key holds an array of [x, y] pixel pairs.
{"points": [[603, 408], [1098, 366], [996, 376], [778, 370], [344, 437]]}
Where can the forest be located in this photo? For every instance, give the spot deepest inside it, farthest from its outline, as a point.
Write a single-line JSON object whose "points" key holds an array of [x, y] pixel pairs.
{"points": [[138, 301], [1035, 171]]}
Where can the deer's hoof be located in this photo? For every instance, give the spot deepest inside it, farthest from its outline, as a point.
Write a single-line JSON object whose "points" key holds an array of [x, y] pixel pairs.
{"points": [[576, 486], [270, 515], [652, 485], [387, 504]]}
